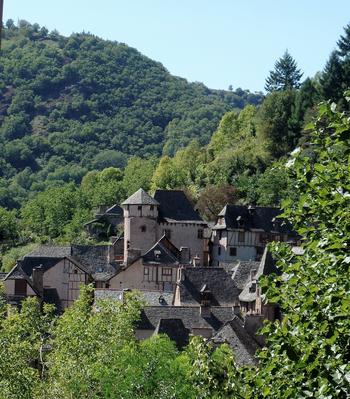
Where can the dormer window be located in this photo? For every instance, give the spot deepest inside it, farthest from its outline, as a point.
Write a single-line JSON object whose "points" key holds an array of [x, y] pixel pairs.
{"points": [[276, 223], [252, 288], [157, 254], [251, 209], [221, 221], [205, 296], [240, 221]]}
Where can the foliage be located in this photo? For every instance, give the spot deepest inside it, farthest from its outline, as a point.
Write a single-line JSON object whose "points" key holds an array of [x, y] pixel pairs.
{"points": [[69, 105], [10, 257], [23, 335], [9, 229], [285, 76], [213, 198], [277, 126], [138, 173], [308, 353]]}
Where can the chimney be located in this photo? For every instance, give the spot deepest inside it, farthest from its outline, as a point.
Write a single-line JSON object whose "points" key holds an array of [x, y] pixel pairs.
{"points": [[236, 308], [205, 301], [184, 255], [195, 261], [38, 279], [251, 210], [252, 274]]}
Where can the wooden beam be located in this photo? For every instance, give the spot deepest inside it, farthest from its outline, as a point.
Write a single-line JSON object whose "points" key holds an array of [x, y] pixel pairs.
{"points": [[1, 14]]}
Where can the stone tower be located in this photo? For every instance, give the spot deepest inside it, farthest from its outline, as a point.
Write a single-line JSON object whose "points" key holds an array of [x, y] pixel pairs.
{"points": [[140, 223]]}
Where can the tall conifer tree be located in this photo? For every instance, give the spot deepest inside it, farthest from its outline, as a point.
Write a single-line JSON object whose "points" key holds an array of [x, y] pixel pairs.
{"points": [[286, 75]]}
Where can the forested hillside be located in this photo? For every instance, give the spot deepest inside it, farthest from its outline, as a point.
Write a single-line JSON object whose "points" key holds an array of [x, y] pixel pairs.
{"points": [[73, 104], [86, 122]]}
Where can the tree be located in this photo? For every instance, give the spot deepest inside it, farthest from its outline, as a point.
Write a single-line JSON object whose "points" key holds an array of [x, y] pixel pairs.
{"points": [[308, 352], [332, 78], [344, 42], [277, 127], [286, 74], [138, 173], [213, 198], [23, 335], [9, 229]]}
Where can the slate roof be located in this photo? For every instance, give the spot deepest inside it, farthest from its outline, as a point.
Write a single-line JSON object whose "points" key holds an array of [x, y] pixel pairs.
{"points": [[190, 317], [92, 259], [242, 343], [223, 290], [267, 266], [95, 260], [51, 251], [175, 330], [152, 298], [162, 252], [242, 271], [140, 198], [257, 218], [115, 210], [175, 206]]}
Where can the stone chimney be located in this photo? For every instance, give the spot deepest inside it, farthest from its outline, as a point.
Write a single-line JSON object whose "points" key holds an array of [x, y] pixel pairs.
{"points": [[184, 255], [38, 279]]}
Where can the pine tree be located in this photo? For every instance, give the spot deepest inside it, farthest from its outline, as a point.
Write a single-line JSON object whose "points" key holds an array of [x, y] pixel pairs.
{"points": [[344, 42], [332, 78], [285, 76]]}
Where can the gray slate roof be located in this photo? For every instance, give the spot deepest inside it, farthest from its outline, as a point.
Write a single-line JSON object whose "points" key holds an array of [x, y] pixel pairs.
{"points": [[224, 291], [92, 259], [175, 330], [190, 317], [258, 218], [140, 198], [152, 298], [241, 272], [267, 266], [162, 252], [175, 206], [241, 342]]}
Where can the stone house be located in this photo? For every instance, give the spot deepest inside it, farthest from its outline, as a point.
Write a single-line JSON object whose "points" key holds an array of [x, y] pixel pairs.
{"points": [[169, 213], [242, 233]]}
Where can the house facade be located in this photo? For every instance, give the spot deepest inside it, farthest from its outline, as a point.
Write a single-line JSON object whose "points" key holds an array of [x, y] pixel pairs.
{"points": [[242, 233]]}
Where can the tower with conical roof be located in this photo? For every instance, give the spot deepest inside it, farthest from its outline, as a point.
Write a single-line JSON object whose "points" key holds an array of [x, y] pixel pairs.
{"points": [[140, 222]]}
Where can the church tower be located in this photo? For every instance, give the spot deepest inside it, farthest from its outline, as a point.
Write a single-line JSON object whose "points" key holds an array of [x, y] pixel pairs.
{"points": [[140, 223]]}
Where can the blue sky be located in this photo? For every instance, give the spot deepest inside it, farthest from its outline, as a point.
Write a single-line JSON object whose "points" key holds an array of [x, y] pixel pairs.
{"points": [[218, 42]]}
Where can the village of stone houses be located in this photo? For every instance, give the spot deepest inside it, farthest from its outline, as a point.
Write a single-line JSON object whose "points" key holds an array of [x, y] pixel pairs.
{"points": [[196, 278], [160, 239]]}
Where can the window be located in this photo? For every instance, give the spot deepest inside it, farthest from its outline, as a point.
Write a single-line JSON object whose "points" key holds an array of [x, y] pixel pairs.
{"points": [[219, 250], [233, 251], [145, 271], [140, 209], [151, 207], [20, 287], [143, 229], [241, 236], [219, 234], [166, 271], [200, 233], [167, 233]]}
